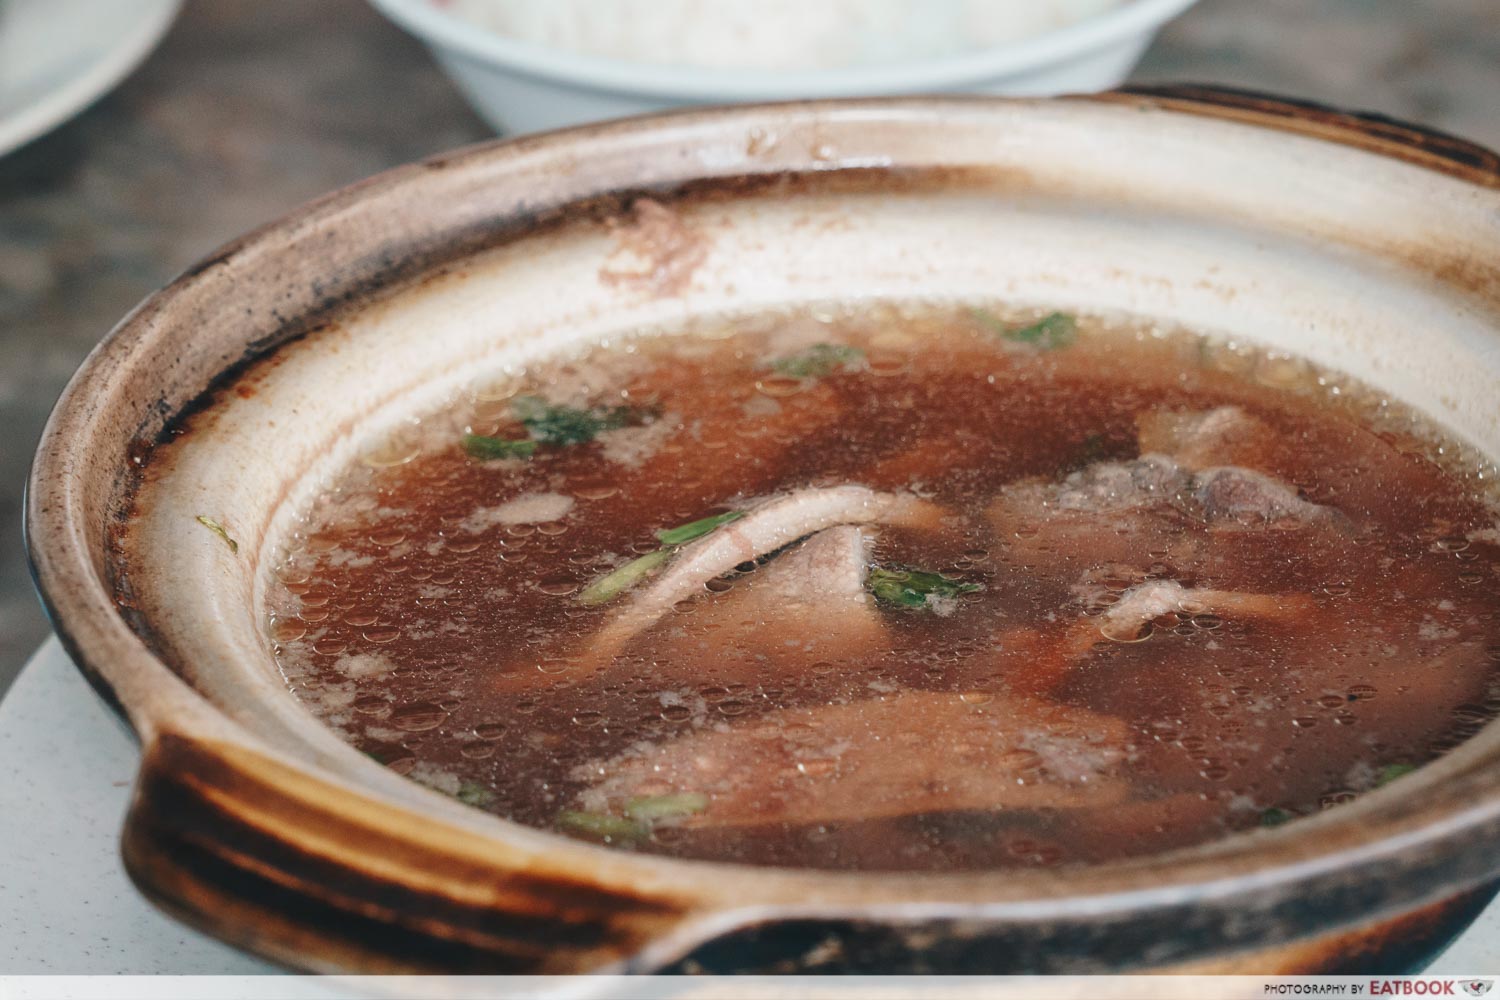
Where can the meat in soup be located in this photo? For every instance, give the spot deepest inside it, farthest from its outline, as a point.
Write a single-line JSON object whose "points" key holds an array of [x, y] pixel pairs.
{"points": [[902, 588]]}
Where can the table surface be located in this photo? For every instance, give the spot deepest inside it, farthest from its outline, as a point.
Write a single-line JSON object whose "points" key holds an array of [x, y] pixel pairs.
{"points": [[65, 903], [253, 106]]}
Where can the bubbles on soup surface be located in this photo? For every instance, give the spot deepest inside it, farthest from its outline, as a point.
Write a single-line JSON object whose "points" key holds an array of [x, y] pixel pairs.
{"points": [[902, 588]]}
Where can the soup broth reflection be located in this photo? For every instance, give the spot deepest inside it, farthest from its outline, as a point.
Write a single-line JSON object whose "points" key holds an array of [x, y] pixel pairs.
{"points": [[902, 588]]}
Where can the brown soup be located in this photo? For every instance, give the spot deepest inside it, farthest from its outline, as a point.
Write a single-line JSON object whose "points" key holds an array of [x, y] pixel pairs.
{"points": [[902, 588]]}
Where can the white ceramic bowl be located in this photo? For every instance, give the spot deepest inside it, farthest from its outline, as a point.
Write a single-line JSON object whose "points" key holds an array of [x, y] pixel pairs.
{"points": [[522, 87]]}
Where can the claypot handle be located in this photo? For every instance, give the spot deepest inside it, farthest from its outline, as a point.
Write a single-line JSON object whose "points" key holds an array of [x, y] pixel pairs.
{"points": [[1362, 129], [260, 854]]}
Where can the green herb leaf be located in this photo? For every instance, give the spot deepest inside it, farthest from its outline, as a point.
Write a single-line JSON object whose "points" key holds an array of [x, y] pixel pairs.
{"points": [[219, 530], [905, 587], [488, 449], [616, 582], [696, 529], [602, 825], [1391, 772], [473, 794], [548, 424], [1050, 333], [1275, 817], [819, 360], [657, 808], [564, 425], [641, 815]]}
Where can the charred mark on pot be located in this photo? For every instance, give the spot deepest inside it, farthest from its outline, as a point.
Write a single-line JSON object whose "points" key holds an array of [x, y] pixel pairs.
{"points": [[1169, 940], [656, 250], [394, 270], [1363, 129], [197, 829]]}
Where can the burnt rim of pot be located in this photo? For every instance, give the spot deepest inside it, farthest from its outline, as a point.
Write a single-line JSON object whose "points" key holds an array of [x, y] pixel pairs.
{"points": [[1435, 838]]}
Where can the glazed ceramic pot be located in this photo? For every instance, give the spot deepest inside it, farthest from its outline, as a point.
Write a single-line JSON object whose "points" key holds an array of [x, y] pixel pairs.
{"points": [[1358, 243]]}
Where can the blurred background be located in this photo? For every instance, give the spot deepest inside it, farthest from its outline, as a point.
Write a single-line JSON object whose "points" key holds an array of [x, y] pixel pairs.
{"points": [[249, 107]]}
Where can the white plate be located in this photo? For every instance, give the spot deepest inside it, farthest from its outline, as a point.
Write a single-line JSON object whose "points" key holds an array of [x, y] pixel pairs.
{"points": [[59, 56]]}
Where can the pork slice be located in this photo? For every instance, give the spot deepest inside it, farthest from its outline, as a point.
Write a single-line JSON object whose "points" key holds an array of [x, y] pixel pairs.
{"points": [[1232, 496], [1104, 497], [1101, 488], [807, 604], [913, 752], [1200, 439], [765, 528], [1142, 511], [1105, 487], [826, 572], [1124, 620], [1108, 512], [1035, 660]]}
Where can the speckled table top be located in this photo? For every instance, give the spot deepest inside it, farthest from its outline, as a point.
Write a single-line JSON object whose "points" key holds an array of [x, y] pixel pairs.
{"points": [[252, 106]]}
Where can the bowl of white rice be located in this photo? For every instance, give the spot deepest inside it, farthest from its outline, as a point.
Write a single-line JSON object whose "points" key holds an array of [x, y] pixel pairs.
{"points": [[529, 65]]}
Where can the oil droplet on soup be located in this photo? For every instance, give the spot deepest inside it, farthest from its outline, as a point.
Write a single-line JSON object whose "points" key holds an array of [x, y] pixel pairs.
{"points": [[903, 588]]}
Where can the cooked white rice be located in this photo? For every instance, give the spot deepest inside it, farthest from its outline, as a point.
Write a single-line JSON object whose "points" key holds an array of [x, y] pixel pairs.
{"points": [[773, 34]]}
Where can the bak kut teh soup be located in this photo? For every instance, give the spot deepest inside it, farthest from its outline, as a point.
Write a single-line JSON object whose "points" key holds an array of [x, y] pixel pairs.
{"points": [[901, 588]]}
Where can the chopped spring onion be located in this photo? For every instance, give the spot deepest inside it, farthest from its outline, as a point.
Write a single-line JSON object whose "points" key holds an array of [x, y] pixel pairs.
{"points": [[1052, 332], [488, 449], [219, 530], [656, 808], [616, 582], [1275, 817], [602, 825], [819, 360], [549, 423], [913, 588], [473, 794], [696, 529], [641, 815], [1391, 772]]}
